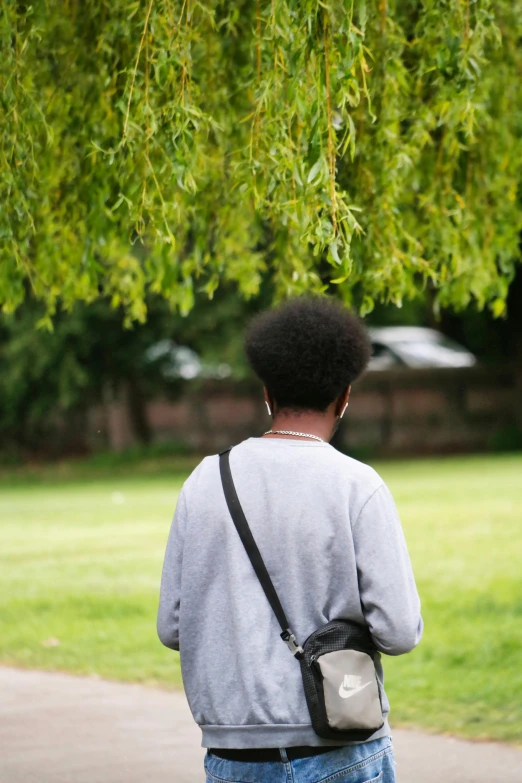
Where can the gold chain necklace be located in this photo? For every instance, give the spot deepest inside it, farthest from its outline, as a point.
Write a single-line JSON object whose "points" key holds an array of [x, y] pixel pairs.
{"points": [[291, 432]]}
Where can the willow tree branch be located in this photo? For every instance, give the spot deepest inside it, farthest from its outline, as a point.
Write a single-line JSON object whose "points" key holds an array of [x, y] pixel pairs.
{"points": [[331, 145], [135, 71]]}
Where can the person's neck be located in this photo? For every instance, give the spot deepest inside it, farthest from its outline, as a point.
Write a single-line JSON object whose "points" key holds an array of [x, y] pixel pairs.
{"points": [[309, 423]]}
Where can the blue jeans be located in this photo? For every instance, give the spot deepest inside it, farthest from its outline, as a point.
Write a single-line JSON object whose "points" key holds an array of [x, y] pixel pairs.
{"points": [[369, 762]]}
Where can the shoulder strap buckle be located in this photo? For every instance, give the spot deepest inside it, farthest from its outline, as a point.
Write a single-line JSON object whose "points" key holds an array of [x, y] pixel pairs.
{"points": [[291, 642]]}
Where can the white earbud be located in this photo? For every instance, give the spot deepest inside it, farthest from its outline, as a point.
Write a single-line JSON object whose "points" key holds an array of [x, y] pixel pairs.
{"points": [[342, 414], [268, 407]]}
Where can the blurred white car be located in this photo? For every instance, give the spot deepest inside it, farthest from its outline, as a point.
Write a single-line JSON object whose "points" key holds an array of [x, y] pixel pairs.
{"points": [[415, 346], [178, 361]]}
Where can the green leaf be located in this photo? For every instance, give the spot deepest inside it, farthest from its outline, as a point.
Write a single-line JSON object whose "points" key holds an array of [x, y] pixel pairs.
{"points": [[334, 251], [498, 307], [315, 170]]}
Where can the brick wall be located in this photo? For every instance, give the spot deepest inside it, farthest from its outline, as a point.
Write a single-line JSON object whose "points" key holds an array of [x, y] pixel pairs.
{"points": [[435, 410], [393, 412]]}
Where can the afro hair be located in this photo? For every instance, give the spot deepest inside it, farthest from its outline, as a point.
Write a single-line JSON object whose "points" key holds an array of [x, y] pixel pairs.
{"points": [[307, 351]]}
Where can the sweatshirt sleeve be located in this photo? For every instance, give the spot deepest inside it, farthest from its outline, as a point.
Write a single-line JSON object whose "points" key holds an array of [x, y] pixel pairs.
{"points": [[170, 591], [389, 598]]}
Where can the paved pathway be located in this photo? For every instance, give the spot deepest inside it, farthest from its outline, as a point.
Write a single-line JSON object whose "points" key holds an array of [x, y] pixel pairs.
{"points": [[60, 729]]}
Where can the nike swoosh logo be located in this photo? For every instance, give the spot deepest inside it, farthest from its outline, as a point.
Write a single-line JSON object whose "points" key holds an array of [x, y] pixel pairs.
{"points": [[345, 693]]}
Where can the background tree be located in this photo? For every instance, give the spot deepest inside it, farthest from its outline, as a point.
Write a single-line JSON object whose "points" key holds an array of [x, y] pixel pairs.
{"points": [[366, 146], [90, 358]]}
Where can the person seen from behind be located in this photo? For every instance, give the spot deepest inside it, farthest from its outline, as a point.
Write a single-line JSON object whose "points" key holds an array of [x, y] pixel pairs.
{"points": [[330, 538]]}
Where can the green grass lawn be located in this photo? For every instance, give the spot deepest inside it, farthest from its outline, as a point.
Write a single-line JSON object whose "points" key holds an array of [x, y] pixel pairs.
{"points": [[81, 553]]}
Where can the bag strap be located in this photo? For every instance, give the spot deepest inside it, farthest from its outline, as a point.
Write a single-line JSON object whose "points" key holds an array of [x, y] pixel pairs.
{"points": [[252, 550]]}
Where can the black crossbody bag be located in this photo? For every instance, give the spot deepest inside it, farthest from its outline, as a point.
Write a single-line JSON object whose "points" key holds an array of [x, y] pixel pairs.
{"points": [[337, 660]]}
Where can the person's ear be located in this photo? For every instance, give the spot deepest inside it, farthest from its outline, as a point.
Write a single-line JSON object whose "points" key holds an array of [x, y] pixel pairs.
{"points": [[342, 402]]}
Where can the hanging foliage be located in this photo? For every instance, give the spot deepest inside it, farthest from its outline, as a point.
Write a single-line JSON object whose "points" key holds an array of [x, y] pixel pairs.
{"points": [[363, 146]]}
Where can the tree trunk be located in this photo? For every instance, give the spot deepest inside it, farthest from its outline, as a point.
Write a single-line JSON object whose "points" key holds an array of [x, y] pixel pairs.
{"points": [[137, 411]]}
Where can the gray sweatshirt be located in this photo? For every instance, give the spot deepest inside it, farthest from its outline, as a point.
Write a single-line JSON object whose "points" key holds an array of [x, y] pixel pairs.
{"points": [[331, 539]]}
